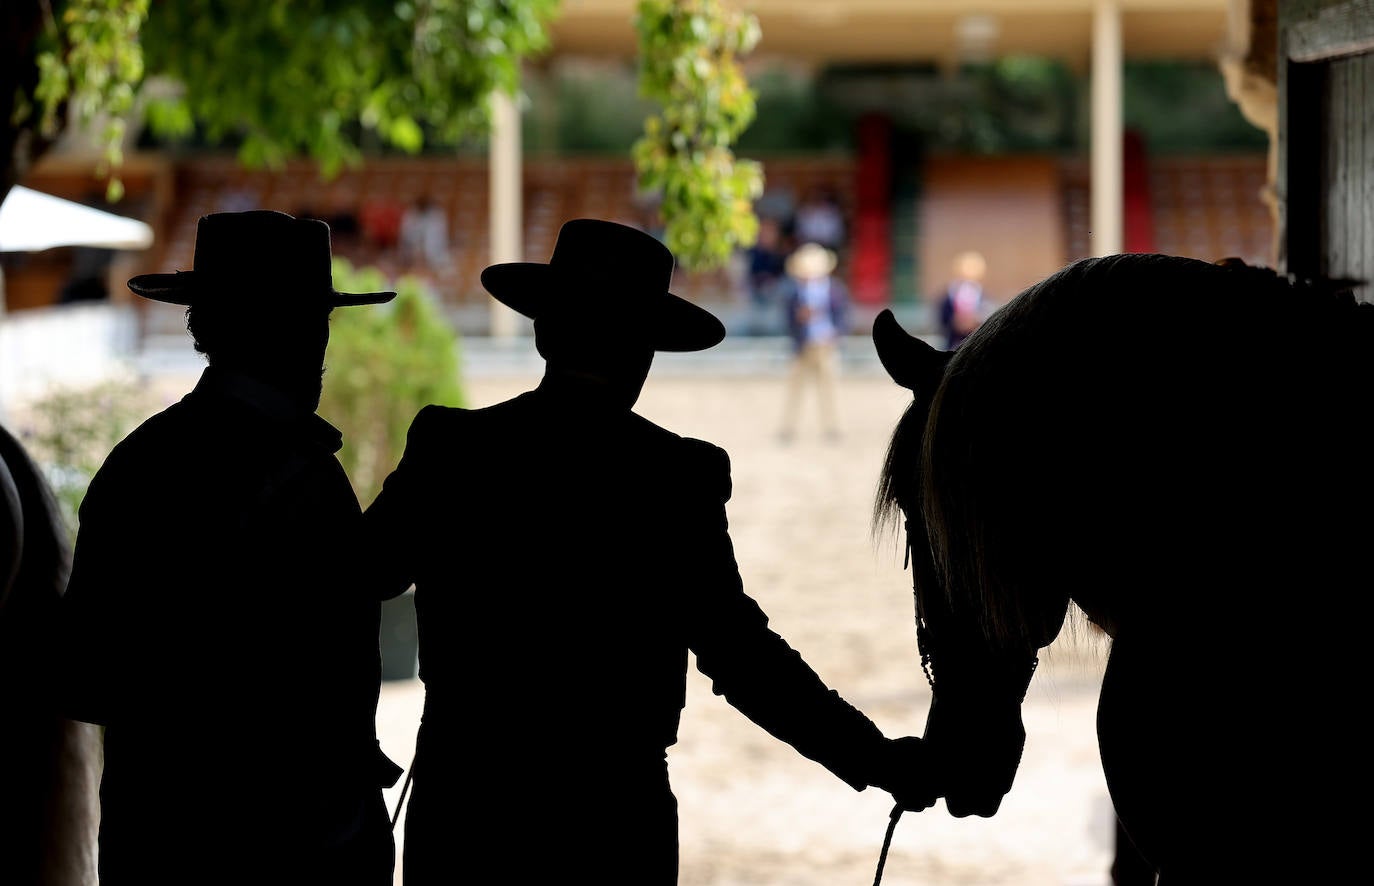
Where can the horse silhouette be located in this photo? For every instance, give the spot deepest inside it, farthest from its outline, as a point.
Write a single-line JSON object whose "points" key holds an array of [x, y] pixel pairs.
{"points": [[1173, 449], [48, 765]]}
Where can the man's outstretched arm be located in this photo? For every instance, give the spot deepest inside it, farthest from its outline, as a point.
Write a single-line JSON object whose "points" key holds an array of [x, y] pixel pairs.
{"points": [[765, 678]]}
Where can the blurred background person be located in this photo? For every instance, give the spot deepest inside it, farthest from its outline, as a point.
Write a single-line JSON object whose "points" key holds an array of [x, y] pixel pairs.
{"points": [[816, 306], [424, 237], [820, 220], [766, 269], [964, 303]]}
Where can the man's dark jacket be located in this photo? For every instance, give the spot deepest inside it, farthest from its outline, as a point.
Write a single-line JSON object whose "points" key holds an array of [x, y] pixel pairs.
{"points": [[219, 625], [566, 557]]}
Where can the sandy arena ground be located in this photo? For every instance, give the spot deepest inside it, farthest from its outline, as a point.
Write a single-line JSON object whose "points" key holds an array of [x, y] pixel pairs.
{"points": [[753, 811]]}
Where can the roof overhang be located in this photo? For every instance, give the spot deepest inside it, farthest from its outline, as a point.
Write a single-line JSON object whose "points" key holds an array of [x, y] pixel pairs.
{"points": [[32, 221], [940, 31]]}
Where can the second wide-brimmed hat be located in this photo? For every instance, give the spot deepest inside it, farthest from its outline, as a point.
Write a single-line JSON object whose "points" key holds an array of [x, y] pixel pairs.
{"points": [[811, 260], [613, 274], [239, 253]]}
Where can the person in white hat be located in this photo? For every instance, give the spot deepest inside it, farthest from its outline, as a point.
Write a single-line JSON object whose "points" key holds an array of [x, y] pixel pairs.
{"points": [[817, 314]]}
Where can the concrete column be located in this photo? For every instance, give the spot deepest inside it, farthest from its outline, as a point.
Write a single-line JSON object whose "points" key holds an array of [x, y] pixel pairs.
{"points": [[505, 202], [1106, 185]]}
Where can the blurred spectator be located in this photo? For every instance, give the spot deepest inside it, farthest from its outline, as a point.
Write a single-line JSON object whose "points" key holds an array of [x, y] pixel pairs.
{"points": [[342, 218], [338, 214], [817, 312], [963, 304], [779, 204], [380, 221], [89, 277], [820, 220], [236, 198], [646, 214], [765, 268], [424, 235]]}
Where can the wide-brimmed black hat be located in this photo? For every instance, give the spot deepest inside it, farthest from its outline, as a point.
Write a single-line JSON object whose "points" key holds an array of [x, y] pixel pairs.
{"points": [[243, 252], [613, 273]]}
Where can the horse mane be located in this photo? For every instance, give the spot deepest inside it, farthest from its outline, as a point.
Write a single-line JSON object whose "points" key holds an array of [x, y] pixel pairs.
{"points": [[45, 558], [902, 451]]}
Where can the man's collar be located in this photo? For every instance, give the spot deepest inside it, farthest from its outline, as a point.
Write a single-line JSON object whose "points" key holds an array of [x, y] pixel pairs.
{"points": [[270, 403], [585, 394]]}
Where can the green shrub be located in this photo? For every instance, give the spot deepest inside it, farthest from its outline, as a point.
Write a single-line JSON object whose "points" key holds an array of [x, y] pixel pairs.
{"points": [[70, 431], [385, 362]]}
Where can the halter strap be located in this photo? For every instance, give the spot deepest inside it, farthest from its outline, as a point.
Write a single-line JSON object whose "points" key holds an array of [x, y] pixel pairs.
{"points": [[922, 630]]}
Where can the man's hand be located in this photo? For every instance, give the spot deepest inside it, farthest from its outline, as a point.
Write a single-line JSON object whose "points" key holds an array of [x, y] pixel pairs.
{"points": [[903, 771]]}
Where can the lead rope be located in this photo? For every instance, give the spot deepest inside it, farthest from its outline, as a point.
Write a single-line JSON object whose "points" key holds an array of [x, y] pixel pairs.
{"points": [[896, 813], [405, 789], [887, 843]]}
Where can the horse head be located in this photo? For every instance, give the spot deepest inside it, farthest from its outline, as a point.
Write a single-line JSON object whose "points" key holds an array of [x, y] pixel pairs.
{"points": [[974, 725]]}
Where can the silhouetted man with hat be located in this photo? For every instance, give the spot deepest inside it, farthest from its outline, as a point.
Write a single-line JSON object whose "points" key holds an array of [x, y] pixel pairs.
{"points": [[218, 620], [567, 554]]}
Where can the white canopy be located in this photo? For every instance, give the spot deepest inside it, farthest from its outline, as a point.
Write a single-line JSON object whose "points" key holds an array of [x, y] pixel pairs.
{"points": [[31, 221]]}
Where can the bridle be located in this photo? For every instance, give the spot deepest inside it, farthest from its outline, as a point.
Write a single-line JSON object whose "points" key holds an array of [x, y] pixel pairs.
{"points": [[922, 628], [924, 640]]}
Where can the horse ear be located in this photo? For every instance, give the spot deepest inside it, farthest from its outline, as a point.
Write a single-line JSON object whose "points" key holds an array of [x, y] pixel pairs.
{"points": [[911, 362]]}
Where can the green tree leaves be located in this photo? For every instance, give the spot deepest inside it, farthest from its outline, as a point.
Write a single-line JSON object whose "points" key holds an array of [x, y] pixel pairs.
{"points": [[288, 77], [688, 51], [90, 59], [306, 76], [322, 77]]}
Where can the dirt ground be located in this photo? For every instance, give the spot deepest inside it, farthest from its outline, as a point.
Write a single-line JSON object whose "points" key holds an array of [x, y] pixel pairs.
{"points": [[752, 810]]}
